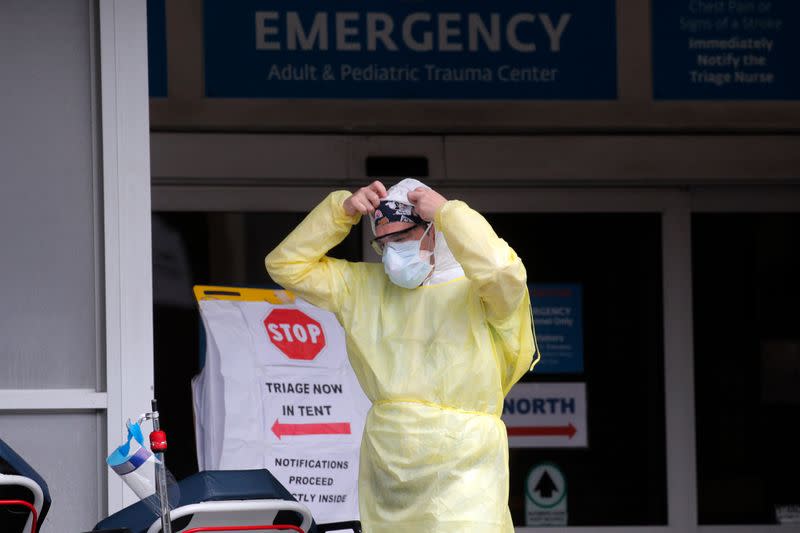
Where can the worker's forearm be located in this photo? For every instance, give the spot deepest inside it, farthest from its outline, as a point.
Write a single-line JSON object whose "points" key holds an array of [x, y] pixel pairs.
{"points": [[300, 255], [486, 259]]}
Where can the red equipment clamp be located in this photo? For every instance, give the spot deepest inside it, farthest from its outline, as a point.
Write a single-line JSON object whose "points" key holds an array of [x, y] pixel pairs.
{"points": [[158, 441]]}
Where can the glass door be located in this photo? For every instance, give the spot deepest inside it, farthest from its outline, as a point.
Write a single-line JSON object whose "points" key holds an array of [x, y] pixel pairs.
{"points": [[596, 289]]}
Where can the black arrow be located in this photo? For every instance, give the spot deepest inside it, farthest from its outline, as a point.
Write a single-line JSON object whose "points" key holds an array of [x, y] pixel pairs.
{"points": [[545, 487]]}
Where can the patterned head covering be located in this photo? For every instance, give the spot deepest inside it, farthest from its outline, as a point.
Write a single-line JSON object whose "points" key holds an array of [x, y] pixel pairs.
{"points": [[396, 207], [391, 211]]}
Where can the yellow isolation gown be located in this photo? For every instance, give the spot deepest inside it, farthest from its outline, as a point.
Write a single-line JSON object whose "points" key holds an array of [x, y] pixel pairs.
{"points": [[435, 361]]}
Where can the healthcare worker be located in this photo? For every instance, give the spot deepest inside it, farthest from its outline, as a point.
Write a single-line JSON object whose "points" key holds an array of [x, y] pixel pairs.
{"points": [[437, 334]]}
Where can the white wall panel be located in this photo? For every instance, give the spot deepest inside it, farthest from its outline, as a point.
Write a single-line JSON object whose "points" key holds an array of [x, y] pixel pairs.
{"points": [[76, 323], [65, 450], [48, 270]]}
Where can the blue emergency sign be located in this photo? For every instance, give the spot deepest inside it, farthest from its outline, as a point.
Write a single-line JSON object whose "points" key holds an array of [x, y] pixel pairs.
{"points": [[157, 48], [558, 322], [726, 49], [406, 49]]}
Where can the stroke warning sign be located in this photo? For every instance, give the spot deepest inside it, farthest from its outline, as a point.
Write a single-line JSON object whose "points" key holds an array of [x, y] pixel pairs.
{"points": [[726, 49]]}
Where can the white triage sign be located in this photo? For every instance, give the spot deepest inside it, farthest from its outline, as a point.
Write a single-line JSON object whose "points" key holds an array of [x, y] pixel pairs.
{"points": [[326, 485], [313, 405], [546, 415], [277, 391]]}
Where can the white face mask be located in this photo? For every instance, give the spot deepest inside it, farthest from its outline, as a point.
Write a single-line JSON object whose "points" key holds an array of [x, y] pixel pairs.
{"points": [[405, 265]]}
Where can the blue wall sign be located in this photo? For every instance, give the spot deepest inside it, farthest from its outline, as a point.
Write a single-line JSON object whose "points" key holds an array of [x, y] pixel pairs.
{"points": [[406, 49], [726, 49], [157, 48], [558, 319]]}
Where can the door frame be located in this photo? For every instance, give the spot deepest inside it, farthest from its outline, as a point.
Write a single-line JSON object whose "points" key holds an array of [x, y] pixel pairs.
{"points": [[291, 173]]}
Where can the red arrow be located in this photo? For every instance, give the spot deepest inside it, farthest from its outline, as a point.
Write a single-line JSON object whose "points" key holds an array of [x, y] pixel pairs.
{"points": [[334, 428], [543, 431]]}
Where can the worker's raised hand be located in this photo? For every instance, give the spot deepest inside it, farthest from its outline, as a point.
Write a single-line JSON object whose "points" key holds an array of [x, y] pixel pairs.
{"points": [[426, 202], [365, 200]]}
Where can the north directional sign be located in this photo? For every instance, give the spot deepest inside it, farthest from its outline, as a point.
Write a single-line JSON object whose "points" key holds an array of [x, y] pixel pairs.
{"points": [[546, 415]]}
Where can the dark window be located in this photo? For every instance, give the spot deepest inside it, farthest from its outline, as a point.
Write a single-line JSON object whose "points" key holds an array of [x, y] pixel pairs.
{"points": [[620, 479], [746, 279]]}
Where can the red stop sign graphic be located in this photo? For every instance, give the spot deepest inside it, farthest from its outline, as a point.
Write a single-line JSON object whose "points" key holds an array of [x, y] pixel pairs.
{"points": [[295, 333]]}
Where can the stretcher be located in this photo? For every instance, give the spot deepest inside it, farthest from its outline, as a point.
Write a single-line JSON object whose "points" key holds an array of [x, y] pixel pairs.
{"points": [[24, 496], [210, 500], [225, 500]]}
